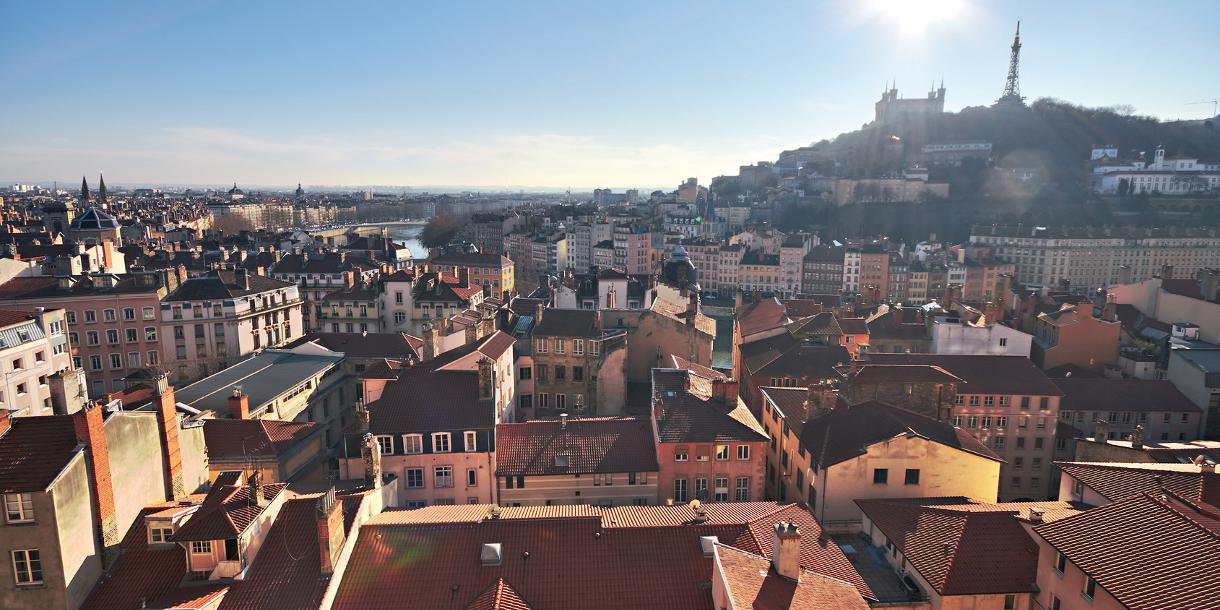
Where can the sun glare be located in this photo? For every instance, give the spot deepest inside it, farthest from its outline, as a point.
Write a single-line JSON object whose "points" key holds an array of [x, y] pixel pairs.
{"points": [[914, 17]]}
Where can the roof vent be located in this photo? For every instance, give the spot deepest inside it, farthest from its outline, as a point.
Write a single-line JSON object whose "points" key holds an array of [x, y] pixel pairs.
{"points": [[492, 554], [495, 511], [708, 544]]}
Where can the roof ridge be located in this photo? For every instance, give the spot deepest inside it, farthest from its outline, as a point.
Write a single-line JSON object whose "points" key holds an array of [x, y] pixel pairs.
{"points": [[1167, 492]]}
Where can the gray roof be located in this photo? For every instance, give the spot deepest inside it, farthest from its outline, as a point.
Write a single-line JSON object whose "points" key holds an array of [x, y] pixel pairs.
{"points": [[262, 377]]}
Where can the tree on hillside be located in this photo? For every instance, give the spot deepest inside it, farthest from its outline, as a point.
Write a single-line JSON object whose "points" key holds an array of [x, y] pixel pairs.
{"points": [[440, 230]]}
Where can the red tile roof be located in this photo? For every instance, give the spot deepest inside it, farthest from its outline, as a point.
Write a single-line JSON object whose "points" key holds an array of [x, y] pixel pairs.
{"points": [[693, 418], [636, 567], [847, 432], [751, 583], [1151, 552], [954, 549], [697, 369], [1119, 481], [499, 596], [1015, 375], [34, 451], [601, 444], [763, 315], [225, 513], [287, 571], [1139, 395], [9, 317], [903, 373], [250, 437]]}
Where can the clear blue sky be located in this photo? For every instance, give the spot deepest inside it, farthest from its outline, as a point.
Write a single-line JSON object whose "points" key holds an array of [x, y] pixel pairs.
{"points": [[535, 93]]}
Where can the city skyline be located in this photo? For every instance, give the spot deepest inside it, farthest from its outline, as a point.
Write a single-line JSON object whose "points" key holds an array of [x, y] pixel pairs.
{"points": [[543, 96]]}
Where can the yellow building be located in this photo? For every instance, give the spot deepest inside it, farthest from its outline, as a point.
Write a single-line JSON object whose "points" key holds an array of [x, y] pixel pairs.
{"points": [[494, 271], [831, 457]]}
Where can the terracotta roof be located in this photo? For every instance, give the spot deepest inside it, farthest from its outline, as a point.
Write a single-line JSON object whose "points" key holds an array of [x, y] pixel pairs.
{"points": [[903, 373], [409, 404], [235, 438], [1122, 395], [225, 513], [751, 583], [692, 418], [953, 545], [222, 284], [499, 596], [697, 369], [792, 402], [9, 317], [787, 356], [847, 432], [1149, 552], [651, 565], [1015, 375], [854, 326], [1119, 481], [549, 447], [764, 315], [34, 451]]}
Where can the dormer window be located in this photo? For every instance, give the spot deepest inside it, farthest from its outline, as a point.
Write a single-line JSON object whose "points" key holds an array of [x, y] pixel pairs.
{"points": [[159, 533]]}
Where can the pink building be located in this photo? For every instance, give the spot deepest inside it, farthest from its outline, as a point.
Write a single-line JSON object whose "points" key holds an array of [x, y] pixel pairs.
{"points": [[709, 446]]}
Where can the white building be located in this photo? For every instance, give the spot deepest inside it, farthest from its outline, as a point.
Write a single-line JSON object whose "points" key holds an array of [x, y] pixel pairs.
{"points": [[951, 336], [33, 347]]}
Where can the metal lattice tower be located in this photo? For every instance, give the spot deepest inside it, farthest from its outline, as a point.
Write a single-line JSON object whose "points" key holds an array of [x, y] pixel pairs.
{"points": [[1012, 87]]}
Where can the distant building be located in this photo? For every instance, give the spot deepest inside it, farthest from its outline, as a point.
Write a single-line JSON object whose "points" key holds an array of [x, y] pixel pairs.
{"points": [[893, 109]]}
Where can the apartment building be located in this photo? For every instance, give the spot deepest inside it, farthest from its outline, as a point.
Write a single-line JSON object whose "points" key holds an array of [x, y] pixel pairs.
{"points": [[492, 272], [822, 270], [316, 275], [633, 249], [34, 349], [1093, 257], [1074, 335], [1129, 409], [215, 320], [353, 309], [579, 366], [602, 461]]}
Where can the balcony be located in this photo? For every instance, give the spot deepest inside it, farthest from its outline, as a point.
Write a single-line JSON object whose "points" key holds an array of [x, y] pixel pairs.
{"points": [[226, 569]]}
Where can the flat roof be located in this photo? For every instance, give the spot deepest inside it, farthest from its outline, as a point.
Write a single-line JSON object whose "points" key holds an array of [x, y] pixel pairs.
{"points": [[263, 378]]}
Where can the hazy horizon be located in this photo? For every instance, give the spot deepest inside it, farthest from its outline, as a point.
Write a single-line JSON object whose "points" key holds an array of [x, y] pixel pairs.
{"points": [[538, 97]]}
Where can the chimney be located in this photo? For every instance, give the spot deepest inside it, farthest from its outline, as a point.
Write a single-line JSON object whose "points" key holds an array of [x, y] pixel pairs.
{"points": [[1209, 281], [1137, 437], [563, 421], [725, 390], [487, 378], [658, 409], [258, 495], [167, 428], [370, 451], [330, 531], [786, 551], [538, 309], [239, 404], [1101, 431], [821, 399], [91, 433], [1166, 272], [242, 279], [1036, 514], [1109, 311], [1207, 468]]}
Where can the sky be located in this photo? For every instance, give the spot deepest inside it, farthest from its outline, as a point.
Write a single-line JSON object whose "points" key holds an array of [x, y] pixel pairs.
{"points": [[537, 93]]}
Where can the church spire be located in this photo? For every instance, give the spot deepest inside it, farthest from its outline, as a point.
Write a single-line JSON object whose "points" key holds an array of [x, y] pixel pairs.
{"points": [[84, 190], [101, 190]]}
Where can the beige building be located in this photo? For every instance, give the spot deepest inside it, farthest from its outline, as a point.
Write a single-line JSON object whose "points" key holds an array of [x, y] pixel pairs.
{"points": [[601, 461], [578, 364], [830, 458], [34, 349]]}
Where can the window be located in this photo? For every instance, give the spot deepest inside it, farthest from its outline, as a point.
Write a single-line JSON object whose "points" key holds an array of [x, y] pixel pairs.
{"points": [[442, 476], [1005, 400], [701, 488], [91, 337], [743, 453], [989, 401], [412, 443], [959, 400], [201, 547], [471, 440], [95, 362], [881, 476], [109, 315], [1055, 603], [561, 401], [27, 567], [19, 508], [526, 401], [680, 491], [974, 401], [150, 333], [560, 347], [153, 358], [578, 347], [722, 453], [543, 400], [1004, 343], [542, 372], [1010, 600], [415, 478], [1060, 563], [70, 316], [578, 373], [133, 335], [742, 492], [386, 443], [440, 442], [540, 346], [148, 313], [1044, 403], [472, 477], [1025, 402], [681, 455], [160, 535], [722, 489], [133, 360], [1090, 587], [561, 372], [912, 476], [527, 373], [129, 314]]}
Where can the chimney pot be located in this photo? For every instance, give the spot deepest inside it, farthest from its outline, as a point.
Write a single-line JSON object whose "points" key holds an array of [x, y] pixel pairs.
{"points": [[786, 550], [1036, 515], [239, 404]]}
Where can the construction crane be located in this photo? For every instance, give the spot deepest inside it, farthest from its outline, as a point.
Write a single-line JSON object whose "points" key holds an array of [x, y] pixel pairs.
{"points": [[1214, 102]]}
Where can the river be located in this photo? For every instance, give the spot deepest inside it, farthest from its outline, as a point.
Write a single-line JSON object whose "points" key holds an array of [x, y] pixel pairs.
{"points": [[409, 235]]}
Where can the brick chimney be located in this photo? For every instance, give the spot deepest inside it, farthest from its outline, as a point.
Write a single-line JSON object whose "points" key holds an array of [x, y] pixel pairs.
{"points": [[726, 391], [371, 452], [330, 531], [239, 404], [487, 378], [786, 551], [1109, 311], [258, 494], [167, 428], [538, 309], [821, 398], [91, 433], [1137, 437]]}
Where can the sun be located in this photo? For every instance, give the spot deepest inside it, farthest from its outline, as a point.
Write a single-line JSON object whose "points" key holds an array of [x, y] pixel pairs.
{"points": [[915, 17]]}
